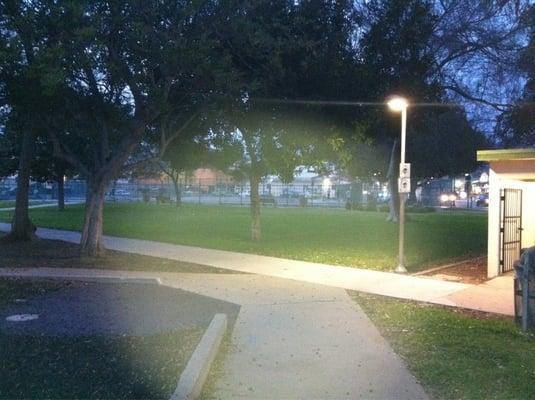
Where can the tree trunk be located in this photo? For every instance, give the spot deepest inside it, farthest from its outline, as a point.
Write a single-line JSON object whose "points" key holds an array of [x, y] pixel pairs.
{"points": [[177, 191], [22, 227], [255, 208], [91, 244], [392, 177], [61, 193]]}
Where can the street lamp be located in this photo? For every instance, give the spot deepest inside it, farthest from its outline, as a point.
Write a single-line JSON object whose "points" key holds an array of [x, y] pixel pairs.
{"points": [[400, 104]]}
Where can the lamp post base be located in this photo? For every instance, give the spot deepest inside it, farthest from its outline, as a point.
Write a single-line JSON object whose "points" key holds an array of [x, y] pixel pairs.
{"points": [[400, 269]]}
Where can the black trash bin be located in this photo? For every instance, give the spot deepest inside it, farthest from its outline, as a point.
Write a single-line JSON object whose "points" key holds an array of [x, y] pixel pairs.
{"points": [[524, 290]]}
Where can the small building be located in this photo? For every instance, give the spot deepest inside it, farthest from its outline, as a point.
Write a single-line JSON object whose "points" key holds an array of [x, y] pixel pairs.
{"points": [[511, 224]]}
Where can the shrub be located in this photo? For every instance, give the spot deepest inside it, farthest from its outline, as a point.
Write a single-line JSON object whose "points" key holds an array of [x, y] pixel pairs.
{"points": [[415, 209], [383, 208], [372, 206]]}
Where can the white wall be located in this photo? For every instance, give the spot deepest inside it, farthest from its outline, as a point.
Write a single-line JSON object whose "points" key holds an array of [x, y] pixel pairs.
{"points": [[510, 175]]}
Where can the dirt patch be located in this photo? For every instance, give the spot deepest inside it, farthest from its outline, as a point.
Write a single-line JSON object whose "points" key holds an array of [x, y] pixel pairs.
{"points": [[57, 254], [471, 271]]}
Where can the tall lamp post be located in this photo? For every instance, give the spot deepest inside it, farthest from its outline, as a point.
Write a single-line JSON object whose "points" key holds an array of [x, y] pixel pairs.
{"points": [[400, 104]]}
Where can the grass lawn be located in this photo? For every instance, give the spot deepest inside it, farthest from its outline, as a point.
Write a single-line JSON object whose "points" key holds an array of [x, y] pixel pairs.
{"points": [[114, 367], [352, 238], [457, 354], [7, 203]]}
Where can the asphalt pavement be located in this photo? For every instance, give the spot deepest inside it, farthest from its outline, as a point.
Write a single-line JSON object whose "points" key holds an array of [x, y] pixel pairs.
{"points": [[133, 309]]}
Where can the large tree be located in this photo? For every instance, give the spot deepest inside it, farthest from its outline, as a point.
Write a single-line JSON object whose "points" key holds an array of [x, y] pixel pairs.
{"points": [[475, 45], [516, 125], [112, 69], [48, 168], [445, 145], [21, 53], [284, 51], [397, 61]]}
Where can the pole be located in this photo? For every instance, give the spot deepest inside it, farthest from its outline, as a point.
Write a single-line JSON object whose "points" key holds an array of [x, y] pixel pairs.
{"points": [[402, 197], [219, 184], [403, 133]]}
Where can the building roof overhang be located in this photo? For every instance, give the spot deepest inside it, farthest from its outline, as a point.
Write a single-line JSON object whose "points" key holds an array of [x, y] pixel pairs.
{"points": [[506, 154]]}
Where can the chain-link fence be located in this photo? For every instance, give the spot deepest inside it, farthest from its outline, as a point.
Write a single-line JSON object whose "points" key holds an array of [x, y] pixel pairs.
{"points": [[213, 192], [46, 191], [324, 193]]}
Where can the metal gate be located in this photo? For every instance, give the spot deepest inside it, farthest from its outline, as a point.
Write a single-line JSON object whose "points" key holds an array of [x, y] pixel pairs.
{"points": [[510, 228]]}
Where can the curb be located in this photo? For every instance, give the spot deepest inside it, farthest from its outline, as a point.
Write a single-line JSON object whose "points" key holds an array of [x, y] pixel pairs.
{"points": [[99, 279], [446, 266], [192, 379]]}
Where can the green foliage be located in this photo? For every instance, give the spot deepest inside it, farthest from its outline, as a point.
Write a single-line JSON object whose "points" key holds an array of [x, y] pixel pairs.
{"points": [[416, 209], [8, 154], [395, 58], [516, 126], [446, 146], [395, 49], [287, 51], [110, 70]]}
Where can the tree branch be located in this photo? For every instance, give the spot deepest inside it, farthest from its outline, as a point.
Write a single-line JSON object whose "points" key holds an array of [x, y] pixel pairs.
{"points": [[166, 141], [62, 151], [497, 106]]}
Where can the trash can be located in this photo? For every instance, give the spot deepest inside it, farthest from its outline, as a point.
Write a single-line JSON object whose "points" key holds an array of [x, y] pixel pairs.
{"points": [[524, 290]]}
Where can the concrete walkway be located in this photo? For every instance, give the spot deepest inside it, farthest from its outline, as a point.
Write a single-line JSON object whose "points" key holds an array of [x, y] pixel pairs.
{"points": [[493, 296], [44, 205], [291, 340]]}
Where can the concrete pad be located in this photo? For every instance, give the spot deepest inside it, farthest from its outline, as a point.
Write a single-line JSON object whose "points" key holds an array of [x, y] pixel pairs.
{"points": [[250, 289], [495, 296]]}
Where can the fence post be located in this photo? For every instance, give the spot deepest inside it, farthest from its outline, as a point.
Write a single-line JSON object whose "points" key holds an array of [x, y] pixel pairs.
{"points": [[199, 191], [288, 190], [336, 193], [219, 190]]}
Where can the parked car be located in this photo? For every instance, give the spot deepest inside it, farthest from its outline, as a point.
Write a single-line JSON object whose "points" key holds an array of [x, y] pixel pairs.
{"points": [[267, 198], [122, 193], [447, 199], [8, 193], [290, 194], [483, 200]]}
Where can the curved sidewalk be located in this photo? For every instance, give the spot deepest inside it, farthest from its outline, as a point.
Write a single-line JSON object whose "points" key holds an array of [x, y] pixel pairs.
{"points": [[291, 340], [45, 205], [490, 297]]}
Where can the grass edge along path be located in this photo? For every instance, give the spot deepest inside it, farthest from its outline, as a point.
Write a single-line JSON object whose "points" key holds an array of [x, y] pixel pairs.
{"points": [[456, 354], [339, 237]]}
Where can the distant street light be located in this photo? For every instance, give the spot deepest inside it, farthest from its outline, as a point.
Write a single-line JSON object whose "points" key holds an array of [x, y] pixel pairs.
{"points": [[400, 104]]}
